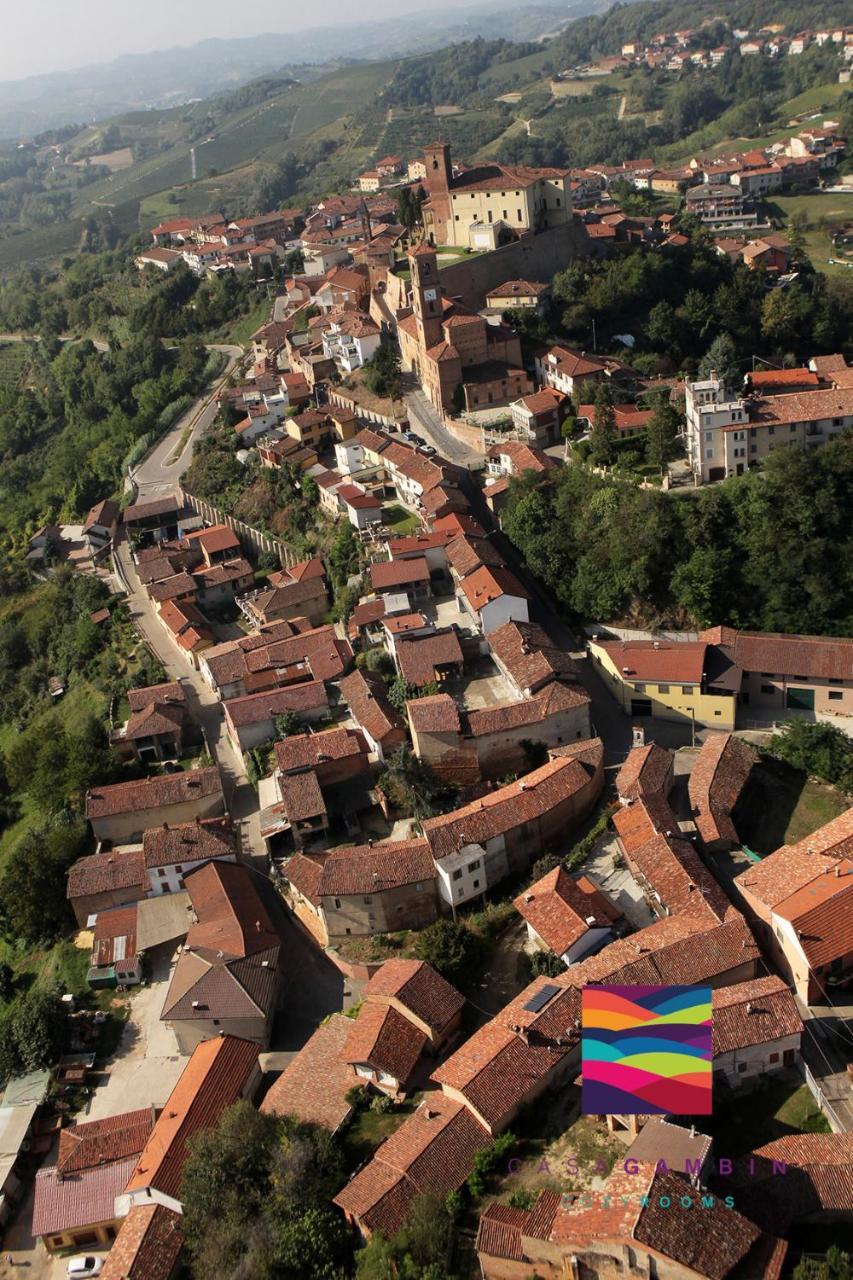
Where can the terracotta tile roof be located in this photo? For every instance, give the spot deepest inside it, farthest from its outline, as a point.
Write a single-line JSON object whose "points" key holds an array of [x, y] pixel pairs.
{"points": [[255, 708], [216, 1076], [276, 647], [779, 876], [403, 622], [396, 573], [287, 596], [367, 700], [682, 662], [295, 1092], [421, 657], [180, 584], [186, 624], [546, 400], [436, 714], [561, 909], [106, 872], [499, 1232], [753, 1013], [517, 288], [421, 991], [220, 574], [529, 655], [821, 913], [151, 507], [156, 718], [659, 1139], [453, 503], [86, 1145], [647, 770], [829, 364], [152, 793], [497, 1069], [571, 364], [365, 613], [802, 406], [815, 657], [188, 842], [307, 750], [229, 965], [385, 1040], [432, 1151], [553, 700], [509, 807], [716, 781], [523, 457], [82, 1200], [417, 542], [147, 1246], [725, 1239], [465, 555], [361, 869], [301, 796], [491, 583], [217, 538]]}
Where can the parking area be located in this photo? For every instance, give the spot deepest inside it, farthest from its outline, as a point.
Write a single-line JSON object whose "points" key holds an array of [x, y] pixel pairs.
{"points": [[147, 1063]]}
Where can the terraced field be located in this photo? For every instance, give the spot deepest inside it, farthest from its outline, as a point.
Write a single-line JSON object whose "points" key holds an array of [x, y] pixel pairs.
{"points": [[13, 357]]}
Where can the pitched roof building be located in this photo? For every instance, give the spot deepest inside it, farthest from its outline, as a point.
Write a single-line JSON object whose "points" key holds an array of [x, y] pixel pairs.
{"points": [[717, 779]]}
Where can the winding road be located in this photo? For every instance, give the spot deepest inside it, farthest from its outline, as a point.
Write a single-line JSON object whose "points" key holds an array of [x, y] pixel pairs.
{"points": [[161, 468]]}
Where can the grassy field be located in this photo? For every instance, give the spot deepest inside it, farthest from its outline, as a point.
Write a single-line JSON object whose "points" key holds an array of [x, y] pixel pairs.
{"points": [[781, 806], [823, 210], [763, 1114], [817, 98], [400, 521]]}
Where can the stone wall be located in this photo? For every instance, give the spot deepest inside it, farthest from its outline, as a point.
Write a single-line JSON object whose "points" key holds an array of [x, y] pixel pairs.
{"points": [[534, 257]]}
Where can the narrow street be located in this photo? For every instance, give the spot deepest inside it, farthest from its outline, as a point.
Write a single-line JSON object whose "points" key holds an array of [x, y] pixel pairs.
{"points": [[426, 422], [204, 705]]}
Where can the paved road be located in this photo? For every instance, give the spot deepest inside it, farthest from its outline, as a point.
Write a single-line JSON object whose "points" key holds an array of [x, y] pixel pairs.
{"points": [[426, 422], [160, 470], [203, 703], [98, 343]]}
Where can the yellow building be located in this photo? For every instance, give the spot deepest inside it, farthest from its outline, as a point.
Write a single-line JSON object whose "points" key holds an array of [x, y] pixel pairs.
{"points": [[514, 199], [689, 682]]}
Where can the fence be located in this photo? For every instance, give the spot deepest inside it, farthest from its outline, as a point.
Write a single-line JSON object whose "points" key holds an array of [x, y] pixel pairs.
{"points": [[836, 1124], [380, 419], [253, 538]]}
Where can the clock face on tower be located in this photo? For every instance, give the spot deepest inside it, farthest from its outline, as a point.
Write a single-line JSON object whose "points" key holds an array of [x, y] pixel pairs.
{"points": [[429, 295]]}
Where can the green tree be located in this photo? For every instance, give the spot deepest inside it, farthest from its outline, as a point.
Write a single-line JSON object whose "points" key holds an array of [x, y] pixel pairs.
{"points": [[450, 947], [602, 438], [662, 432], [287, 724], [411, 785], [836, 1265], [819, 749], [382, 373], [38, 1029], [419, 1251], [720, 360], [33, 905]]}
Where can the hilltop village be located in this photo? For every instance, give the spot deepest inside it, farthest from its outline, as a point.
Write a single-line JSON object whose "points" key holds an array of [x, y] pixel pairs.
{"points": [[358, 762]]}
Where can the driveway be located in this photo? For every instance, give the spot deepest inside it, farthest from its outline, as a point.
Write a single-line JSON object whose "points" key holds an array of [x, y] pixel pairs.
{"points": [[147, 1063]]}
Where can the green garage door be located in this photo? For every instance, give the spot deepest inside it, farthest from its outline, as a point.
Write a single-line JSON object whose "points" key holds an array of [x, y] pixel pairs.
{"points": [[800, 699]]}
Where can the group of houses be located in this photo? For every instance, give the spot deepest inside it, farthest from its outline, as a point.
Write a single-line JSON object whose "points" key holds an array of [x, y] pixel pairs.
{"points": [[678, 50]]}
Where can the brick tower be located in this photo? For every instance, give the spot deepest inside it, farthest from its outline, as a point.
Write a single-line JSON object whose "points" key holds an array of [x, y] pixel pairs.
{"points": [[439, 180], [426, 295]]}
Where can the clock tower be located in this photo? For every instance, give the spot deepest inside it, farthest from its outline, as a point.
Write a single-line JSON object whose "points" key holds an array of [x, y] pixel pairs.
{"points": [[426, 295]]}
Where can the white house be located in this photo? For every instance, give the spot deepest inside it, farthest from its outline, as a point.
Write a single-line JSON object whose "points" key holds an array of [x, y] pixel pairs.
{"points": [[351, 340], [493, 595]]}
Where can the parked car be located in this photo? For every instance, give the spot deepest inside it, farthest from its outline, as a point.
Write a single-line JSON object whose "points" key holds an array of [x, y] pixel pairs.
{"points": [[427, 449], [84, 1265]]}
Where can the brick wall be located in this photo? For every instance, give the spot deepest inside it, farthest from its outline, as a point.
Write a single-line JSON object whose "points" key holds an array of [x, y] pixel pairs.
{"points": [[535, 257]]}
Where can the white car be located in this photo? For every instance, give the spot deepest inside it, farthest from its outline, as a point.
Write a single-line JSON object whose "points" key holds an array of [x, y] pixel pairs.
{"points": [[84, 1265]]}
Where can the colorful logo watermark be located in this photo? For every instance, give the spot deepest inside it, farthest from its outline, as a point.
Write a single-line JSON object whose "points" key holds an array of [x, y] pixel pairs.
{"points": [[646, 1050]]}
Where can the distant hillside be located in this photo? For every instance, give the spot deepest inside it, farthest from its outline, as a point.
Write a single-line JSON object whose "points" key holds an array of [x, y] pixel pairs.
{"points": [[172, 77]]}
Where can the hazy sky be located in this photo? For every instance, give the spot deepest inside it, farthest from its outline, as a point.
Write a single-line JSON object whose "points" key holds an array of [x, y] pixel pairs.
{"points": [[56, 35]]}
